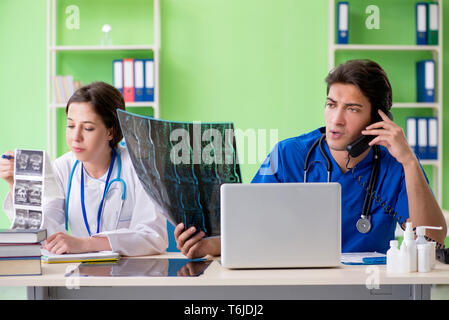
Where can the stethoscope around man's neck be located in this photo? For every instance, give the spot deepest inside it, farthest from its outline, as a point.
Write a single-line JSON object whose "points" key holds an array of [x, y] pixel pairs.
{"points": [[108, 184], [364, 223]]}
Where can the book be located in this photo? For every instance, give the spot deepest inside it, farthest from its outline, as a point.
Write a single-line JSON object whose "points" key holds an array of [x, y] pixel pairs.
{"points": [[20, 250], [22, 235], [48, 257], [23, 266]]}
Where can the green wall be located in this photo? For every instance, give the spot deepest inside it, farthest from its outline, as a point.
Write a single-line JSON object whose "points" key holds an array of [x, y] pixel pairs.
{"points": [[258, 63]]}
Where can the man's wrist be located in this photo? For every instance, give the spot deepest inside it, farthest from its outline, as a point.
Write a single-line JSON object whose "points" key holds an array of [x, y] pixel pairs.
{"points": [[411, 162]]}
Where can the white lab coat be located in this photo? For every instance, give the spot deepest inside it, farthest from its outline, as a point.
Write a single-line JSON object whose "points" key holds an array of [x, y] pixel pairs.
{"points": [[137, 228]]}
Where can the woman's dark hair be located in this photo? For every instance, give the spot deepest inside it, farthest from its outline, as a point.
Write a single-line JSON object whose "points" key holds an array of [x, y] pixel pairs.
{"points": [[105, 99], [369, 78]]}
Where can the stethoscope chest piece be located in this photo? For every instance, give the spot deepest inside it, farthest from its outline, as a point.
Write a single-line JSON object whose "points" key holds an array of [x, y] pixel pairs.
{"points": [[363, 225]]}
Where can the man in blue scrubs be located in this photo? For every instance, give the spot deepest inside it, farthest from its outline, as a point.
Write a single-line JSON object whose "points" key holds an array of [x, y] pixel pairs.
{"points": [[359, 97]]}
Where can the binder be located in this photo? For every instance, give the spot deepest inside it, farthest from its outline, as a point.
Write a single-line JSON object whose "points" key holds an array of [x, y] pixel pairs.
{"points": [[432, 127], [425, 80], [118, 74], [411, 133], [421, 23], [432, 23], [422, 138], [128, 80], [148, 93], [139, 77], [342, 22]]}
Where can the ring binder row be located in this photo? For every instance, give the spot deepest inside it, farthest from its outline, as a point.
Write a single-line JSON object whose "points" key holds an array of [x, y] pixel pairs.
{"points": [[422, 136], [427, 23], [135, 79]]}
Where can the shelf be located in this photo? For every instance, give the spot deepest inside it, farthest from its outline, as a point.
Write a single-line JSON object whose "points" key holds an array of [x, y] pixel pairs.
{"points": [[425, 162], [103, 48], [386, 47], [433, 105], [142, 104]]}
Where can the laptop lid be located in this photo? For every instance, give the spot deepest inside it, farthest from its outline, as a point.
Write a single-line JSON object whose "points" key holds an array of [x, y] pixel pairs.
{"points": [[280, 225]]}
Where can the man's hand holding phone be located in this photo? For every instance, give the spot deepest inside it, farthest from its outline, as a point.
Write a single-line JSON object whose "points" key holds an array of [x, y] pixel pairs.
{"points": [[391, 136]]}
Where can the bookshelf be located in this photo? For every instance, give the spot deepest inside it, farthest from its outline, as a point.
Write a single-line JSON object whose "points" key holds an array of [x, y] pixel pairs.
{"points": [[59, 53], [404, 49]]}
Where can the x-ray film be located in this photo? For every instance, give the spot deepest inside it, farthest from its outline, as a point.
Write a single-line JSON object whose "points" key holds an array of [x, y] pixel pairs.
{"points": [[182, 165]]}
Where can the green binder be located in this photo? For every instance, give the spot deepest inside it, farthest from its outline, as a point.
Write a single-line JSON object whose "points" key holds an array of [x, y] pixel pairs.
{"points": [[432, 23]]}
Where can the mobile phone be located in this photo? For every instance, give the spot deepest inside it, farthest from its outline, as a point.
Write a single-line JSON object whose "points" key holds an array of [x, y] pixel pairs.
{"points": [[360, 145]]}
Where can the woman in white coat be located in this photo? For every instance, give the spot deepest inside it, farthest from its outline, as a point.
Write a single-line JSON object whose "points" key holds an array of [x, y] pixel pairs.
{"points": [[97, 220]]}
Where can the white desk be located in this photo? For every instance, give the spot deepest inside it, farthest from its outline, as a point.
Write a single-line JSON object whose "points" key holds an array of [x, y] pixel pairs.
{"points": [[345, 282]]}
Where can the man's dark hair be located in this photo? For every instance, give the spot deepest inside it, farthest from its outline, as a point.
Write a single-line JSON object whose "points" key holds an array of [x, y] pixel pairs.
{"points": [[105, 99], [369, 78]]}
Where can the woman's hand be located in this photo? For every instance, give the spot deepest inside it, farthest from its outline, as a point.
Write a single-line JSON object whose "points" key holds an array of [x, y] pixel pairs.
{"points": [[196, 246], [60, 243], [7, 169]]}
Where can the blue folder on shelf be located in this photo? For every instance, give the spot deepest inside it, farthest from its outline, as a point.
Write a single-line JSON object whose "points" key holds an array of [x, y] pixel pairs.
{"points": [[432, 141], [342, 22], [117, 75], [411, 132], [421, 23], [425, 81], [139, 78], [421, 129], [148, 93]]}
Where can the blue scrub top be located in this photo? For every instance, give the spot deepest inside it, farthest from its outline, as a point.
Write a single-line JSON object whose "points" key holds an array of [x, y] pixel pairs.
{"points": [[286, 164]]}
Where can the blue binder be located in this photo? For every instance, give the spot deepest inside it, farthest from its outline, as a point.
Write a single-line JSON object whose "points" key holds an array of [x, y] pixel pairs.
{"points": [[425, 81], [412, 134], [148, 93], [421, 23], [117, 74], [422, 142], [342, 22], [432, 141], [139, 78]]}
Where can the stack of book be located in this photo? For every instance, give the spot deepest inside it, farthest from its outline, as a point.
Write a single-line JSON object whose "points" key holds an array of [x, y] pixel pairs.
{"points": [[20, 251]]}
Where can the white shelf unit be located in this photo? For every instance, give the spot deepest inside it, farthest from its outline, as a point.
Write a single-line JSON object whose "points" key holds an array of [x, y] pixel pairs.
{"points": [[437, 107], [52, 56]]}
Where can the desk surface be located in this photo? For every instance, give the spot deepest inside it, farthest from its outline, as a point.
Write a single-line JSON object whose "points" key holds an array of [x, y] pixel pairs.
{"points": [[53, 275]]}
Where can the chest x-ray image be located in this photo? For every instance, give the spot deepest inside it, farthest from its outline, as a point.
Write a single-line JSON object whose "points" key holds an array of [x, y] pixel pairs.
{"points": [[182, 165]]}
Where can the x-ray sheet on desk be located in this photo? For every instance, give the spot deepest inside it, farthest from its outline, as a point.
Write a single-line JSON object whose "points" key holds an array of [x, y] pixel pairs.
{"points": [[182, 165]]}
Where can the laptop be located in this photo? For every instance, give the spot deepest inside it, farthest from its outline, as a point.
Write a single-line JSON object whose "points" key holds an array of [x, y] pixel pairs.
{"points": [[280, 225]]}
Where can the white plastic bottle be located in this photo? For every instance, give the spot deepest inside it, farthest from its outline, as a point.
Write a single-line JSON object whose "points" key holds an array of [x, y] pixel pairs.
{"points": [[393, 257], [424, 257], [421, 232], [404, 259], [412, 252], [424, 249]]}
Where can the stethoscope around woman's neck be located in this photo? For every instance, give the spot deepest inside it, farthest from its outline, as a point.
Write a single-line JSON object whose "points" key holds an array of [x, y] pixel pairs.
{"points": [[364, 223], [108, 184]]}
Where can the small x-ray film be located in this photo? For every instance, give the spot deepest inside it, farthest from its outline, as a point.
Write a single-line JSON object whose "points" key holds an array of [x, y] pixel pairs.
{"points": [[29, 163], [28, 193], [33, 177], [27, 219]]}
